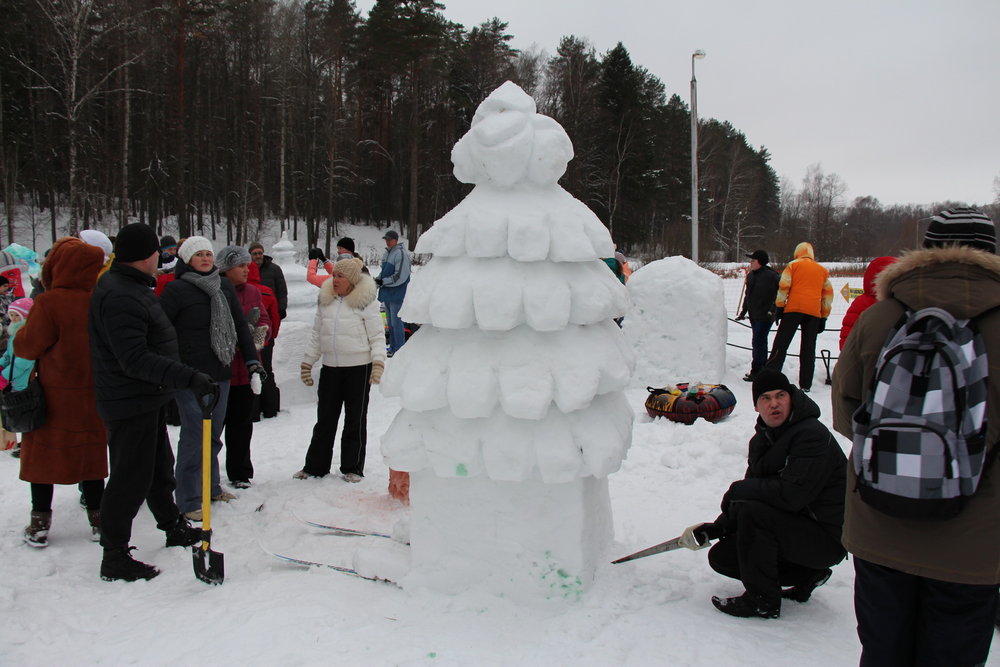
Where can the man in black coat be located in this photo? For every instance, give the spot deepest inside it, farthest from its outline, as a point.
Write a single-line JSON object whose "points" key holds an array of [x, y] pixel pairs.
{"points": [[272, 276], [780, 525], [136, 370], [758, 303]]}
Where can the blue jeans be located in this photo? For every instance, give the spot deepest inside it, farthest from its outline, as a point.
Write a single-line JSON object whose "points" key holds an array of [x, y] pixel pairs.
{"points": [[189, 447], [396, 334], [761, 329]]}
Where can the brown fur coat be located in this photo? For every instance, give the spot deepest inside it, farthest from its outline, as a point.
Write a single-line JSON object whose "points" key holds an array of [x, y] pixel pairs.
{"points": [[72, 445]]}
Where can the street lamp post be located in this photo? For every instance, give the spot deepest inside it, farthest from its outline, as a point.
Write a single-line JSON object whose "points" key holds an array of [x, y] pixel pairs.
{"points": [[694, 157]]}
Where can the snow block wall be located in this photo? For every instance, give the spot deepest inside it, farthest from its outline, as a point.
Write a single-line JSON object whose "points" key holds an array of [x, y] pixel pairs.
{"points": [[679, 310], [513, 411]]}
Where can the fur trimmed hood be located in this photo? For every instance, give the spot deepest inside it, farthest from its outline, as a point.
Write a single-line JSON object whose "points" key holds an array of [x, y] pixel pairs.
{"points": [[358, 298], [963, 280]]}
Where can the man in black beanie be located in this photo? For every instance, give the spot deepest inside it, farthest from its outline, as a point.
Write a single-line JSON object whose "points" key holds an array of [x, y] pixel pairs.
{"points": [[779, 531], [136, 368]]}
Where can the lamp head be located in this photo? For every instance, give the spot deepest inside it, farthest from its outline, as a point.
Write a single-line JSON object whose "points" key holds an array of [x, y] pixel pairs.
{"points": [[698, 54]]}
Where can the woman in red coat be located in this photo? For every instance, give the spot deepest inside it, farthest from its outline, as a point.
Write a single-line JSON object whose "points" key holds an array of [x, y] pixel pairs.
{"points": [[861, 303], [72, 445]]}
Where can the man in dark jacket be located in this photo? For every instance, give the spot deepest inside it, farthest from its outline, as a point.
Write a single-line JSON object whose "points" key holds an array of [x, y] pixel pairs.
{"points": [[136, 370], [758, 303], [780, 525], [925, 592], [272, 276]]}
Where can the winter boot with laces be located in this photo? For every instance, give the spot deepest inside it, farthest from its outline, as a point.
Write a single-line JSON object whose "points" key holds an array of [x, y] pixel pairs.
{"points": [[183, 534], [748, 605], [36, 533], [94, 517], [118, 565]]}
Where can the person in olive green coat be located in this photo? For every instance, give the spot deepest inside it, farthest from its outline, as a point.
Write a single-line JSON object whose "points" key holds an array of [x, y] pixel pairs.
{"points": [[927, 590]]}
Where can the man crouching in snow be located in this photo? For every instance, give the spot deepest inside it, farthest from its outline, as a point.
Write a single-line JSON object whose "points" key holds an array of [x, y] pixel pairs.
{"points": [[779, 531]]}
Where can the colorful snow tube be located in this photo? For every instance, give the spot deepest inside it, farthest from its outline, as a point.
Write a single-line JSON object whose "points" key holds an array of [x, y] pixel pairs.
{"points": [[711, 402]]}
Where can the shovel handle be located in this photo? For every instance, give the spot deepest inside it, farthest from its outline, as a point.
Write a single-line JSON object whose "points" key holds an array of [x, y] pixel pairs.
{"points": [[208, 406], [206, 479]]}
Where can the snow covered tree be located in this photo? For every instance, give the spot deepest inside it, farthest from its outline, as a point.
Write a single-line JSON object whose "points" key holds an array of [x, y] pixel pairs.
{"points": [[513, 413]]}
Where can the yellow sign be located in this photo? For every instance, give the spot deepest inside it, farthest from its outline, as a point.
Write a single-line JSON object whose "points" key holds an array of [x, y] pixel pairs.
{"points": [[849, 292]]}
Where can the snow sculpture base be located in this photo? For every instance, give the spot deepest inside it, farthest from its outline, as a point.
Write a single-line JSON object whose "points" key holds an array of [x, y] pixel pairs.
{"points": [[525, 541]]}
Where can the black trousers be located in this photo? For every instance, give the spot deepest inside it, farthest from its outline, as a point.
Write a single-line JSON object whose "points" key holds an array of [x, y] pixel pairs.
{"points": [[41, 495], [239, 433], [345, 387], [269, 401], [906, 620], [809, 326], [772, 548], [142, 470]]}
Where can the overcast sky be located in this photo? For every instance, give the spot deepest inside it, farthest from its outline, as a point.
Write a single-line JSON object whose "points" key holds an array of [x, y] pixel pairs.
{"points": [[900, 98]]}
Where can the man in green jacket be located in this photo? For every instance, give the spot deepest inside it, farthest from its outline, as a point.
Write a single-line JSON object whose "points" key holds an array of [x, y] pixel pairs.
{"points": [[925, 592]]}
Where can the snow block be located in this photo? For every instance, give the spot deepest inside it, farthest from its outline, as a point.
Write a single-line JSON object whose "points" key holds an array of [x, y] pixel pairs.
{"points": [[679, 310], [543, 540]]}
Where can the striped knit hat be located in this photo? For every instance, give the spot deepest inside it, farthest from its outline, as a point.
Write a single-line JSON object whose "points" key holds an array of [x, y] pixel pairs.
{"points": [[961, 226]]}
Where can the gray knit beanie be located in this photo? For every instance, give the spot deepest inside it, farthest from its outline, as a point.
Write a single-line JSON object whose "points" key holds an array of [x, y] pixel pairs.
{"points": [[230, 256]]}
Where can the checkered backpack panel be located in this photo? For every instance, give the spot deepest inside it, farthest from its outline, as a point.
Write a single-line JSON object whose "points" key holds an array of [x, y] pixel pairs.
{"points": [[920, 435]]}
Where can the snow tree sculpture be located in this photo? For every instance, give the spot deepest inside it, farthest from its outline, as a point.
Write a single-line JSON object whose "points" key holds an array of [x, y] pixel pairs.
{"points": [[512, 405]]}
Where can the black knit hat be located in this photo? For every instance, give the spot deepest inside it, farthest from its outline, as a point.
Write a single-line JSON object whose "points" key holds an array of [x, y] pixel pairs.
{"points": [[167, 242], [769, 380], [961, 226], [136, 242], [347, 243]]}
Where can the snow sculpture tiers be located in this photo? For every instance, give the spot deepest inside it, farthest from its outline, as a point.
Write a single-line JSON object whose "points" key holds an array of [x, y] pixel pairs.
{"points": [[513, 411]]}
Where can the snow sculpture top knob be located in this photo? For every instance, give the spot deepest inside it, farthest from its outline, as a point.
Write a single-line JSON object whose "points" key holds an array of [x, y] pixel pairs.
{"points": [[509, 144]]}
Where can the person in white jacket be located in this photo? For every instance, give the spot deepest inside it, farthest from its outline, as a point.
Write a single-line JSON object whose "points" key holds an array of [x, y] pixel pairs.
{"points": [[348, 334]]}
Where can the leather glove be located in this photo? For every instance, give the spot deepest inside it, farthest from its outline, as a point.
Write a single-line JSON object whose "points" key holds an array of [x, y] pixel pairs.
{"points": [[377, 368], [822, 325], [202, 385], [254, 368], [305, 372], [317, 253], [695, 537], [378, 281], [740, 318], [260, 337], [778, 314]]}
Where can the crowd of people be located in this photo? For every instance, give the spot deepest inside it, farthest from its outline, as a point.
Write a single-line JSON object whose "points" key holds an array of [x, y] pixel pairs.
{"points": [[177, 324], [179, 333]]}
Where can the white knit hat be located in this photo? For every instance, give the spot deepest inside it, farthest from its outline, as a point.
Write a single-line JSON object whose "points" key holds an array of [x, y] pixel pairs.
{"points": [[98, 239], [193, 245]]}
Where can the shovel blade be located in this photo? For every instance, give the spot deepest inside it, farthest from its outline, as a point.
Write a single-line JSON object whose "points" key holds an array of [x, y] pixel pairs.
{"points": [[208, 565]]}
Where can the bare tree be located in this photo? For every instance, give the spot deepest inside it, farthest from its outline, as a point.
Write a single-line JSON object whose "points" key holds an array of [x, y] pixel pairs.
{"points": [[79, 34]]}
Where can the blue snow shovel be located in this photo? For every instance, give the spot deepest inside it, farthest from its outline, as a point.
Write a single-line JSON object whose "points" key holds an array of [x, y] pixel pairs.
{"points": [[213, 571]]}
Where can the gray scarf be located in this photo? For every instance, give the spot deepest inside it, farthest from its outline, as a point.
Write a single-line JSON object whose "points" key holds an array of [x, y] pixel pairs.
{"points": [[221, 327]]}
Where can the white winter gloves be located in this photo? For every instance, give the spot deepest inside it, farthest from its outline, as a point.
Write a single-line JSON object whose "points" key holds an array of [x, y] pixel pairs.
{"points": [[306, 373], [690, 541], [377, 368]]}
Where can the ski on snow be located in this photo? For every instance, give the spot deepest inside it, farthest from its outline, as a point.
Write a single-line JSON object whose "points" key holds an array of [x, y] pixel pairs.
{"points": [[313, 563], [345, 532]]}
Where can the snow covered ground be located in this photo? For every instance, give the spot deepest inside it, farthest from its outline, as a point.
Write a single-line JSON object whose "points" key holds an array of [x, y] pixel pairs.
{"points": [[653, 611]]}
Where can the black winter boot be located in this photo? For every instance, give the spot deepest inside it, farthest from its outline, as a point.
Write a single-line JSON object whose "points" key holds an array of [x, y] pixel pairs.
{"points": [[36, 533], [183, 534], [801, 592], [118, 564], [748, 605], [94, 517]]}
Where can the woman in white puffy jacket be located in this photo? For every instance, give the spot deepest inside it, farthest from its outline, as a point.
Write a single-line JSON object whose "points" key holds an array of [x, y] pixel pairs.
{"points": [[348, 334]]}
